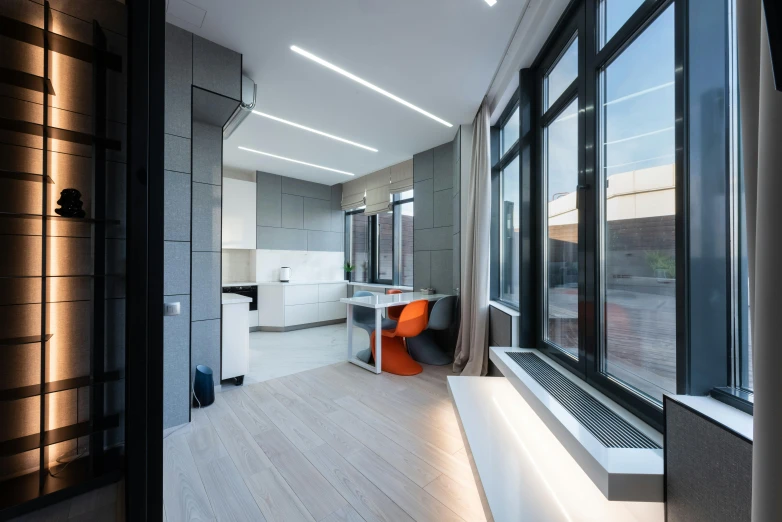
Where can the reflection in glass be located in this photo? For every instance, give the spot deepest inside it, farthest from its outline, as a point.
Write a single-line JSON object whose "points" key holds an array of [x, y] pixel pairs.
{"points": [[561, 142], [562, 74], [613, 14], [385, 246], [509, 242], [359, 246], [405, 242], [638, 282], [510, 131]]}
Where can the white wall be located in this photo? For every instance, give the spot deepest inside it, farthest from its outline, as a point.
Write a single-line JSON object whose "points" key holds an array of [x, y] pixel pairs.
{"points": [[305, 265], [238, 265]]}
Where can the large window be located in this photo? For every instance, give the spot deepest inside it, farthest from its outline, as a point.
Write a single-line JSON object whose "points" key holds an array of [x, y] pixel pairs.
{"points": [[381, 246]]}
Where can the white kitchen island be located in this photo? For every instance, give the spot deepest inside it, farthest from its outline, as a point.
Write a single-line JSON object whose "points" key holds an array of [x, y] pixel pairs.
{"points": [[235, 354]]}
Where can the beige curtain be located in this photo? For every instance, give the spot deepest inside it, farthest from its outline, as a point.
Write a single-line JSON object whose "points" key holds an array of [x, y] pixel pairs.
{"points": [[378, 192], [472, 346], [402, 177], [761, 129], [353, 193]]}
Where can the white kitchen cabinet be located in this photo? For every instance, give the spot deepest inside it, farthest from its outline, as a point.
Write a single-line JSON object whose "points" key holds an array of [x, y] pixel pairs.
{"points": [[285, 305], [239, 220], [332, 311], [301, 314], [332, 292]]}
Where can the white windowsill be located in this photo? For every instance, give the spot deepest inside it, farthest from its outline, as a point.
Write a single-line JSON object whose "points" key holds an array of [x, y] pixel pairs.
{"points": [[504, 308], [625, 474]]}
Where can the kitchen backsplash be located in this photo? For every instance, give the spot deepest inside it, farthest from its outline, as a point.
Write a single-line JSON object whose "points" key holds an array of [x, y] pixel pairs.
{"points": [[305, 266], [238, 265]]}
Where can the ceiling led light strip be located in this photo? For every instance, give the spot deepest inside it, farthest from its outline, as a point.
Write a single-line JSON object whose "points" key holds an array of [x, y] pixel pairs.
{"points": [[365, 83], [302, 127], [297, 161]]}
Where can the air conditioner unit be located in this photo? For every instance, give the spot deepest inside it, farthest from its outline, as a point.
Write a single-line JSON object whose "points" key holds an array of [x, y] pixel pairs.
{"points": [[249, 90]]}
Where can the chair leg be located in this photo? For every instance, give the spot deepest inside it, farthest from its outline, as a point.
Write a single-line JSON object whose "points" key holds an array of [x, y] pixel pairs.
{"points": [[424, 349]]}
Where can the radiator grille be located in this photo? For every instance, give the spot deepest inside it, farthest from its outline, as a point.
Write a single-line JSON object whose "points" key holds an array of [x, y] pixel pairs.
{"points": [[608, 427]]}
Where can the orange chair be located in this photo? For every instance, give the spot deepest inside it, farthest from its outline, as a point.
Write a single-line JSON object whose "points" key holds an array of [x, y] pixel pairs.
{"points": [[412, 321], [395, 311]]}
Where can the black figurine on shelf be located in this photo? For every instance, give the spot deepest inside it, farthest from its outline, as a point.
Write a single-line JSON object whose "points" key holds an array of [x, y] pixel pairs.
{"points": [[70, 204]]}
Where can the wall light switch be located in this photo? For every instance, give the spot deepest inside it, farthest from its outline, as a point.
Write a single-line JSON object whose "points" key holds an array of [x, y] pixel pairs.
{"points": [[171, 309]]}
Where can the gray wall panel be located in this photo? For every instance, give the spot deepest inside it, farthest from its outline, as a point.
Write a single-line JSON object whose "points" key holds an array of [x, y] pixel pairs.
{"points": [[500, 328], [337, 216], [421, 269], [216, 68], [457, 261], [176, 276], [433, 239], [292, 211], [207, 153], [317, 214], [423, 167], [441, 277], [176, 363], [456, 216], [206, 286], [206, 346], [424, 204], [176, 218], [443, 166], [268, 200], [176, 153], [325, 241], [207, 215], [179, 75], [443, 208], [272, 238], [307, 189]]}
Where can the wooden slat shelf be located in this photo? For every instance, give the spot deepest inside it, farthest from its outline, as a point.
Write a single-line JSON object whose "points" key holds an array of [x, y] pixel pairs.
{"points": [[25, 176], [56, 133], [26, 80], [34, 390], [59, 44], [15, 341], [74, 431], [22, 215]]}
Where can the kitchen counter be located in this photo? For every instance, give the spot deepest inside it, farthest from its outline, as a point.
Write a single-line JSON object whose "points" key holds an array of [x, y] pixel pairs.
{"points": [[229, 298], [241, 283], [295, 283]]}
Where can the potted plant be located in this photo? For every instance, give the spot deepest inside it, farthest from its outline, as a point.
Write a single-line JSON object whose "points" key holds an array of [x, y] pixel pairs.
{"points": [[349, 270], [663, 265]]}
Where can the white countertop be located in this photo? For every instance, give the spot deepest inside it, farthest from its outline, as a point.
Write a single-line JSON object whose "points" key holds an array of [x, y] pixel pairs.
{"points": [[241, 283], [525, 472], [386, 300], [376, 285], [229, 298], [289, 283]]}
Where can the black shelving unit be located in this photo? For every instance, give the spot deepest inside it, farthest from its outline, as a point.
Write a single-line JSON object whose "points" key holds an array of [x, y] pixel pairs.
{"points": [[99, 464]]}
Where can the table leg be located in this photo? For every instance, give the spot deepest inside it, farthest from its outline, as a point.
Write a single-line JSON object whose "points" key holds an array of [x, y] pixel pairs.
{"points": [[350, 331], [378, 337]]}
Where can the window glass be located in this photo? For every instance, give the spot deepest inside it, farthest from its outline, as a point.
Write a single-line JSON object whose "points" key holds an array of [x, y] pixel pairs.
{"points": [[405, 242], [385, 246], [561, 143], [510, 131], [613, 14], [638, 224], [509, 230], [562, 74], [358, 224]]}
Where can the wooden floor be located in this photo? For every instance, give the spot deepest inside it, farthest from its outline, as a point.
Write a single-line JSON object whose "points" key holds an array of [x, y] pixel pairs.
{"points": [[332, 444]]}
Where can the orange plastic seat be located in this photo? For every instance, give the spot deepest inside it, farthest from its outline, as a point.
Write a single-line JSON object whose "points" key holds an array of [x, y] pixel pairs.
{"points": [[395, 311], [411, 323]]}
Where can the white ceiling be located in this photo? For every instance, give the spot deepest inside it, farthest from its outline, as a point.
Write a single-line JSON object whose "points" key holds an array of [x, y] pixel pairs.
{"points": [[440, 55]]}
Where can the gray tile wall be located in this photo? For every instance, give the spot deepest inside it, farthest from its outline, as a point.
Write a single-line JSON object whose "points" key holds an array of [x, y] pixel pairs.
{"points": [[193, 209], [298, 215], [433, 235]]}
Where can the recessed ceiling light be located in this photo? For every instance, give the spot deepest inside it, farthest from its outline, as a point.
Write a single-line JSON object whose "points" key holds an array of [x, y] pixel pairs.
{"points": [[365, 83], [343, 140], [297, 161], [491, 2]]}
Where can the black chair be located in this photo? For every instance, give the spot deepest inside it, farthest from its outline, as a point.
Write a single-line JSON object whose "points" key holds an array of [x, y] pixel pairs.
{"points": [[424, 348]]}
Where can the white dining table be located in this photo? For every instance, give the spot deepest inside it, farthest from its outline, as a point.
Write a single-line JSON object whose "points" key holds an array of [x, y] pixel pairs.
{"points": [[379, 302]]}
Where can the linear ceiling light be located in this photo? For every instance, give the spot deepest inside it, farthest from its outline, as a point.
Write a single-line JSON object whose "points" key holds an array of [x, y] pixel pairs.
{"points": [[365, 83], [302, 127], [297, 161]]}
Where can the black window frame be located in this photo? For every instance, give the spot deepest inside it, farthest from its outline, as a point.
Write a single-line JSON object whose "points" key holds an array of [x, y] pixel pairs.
{"points": [[703, 155], [372, 267]]}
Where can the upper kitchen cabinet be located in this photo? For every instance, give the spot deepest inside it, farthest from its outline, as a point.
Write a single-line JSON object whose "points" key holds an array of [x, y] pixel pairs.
{"points": [[239, 216]]}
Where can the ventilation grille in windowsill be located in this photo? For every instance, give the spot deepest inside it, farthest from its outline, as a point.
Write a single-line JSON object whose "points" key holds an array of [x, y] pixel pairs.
{"points": [[608, 427]]}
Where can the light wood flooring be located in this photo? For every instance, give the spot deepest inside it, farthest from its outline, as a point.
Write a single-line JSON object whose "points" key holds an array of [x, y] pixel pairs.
{"points": [[331, 444]]}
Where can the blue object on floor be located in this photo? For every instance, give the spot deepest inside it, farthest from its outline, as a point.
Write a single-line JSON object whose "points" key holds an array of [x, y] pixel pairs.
{"points": [[203, 386], [364, 318], [423, 348]]}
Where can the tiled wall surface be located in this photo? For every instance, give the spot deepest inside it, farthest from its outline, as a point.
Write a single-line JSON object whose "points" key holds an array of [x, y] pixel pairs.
{"points": [[433, 235], [298, 215], [193, 185]]}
